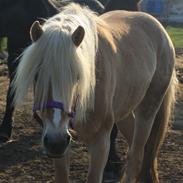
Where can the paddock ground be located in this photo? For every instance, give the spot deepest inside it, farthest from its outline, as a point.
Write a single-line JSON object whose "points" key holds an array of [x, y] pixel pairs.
{"points": [[21, 160]]}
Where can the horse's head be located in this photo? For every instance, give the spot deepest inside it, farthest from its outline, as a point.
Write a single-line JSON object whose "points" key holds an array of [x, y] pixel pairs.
{"points": [[61, 65], [16, 16], [57, 114]]}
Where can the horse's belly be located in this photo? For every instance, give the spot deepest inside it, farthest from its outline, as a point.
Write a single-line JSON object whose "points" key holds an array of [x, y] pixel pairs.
{"points": [[131, 86], [124, 104]]}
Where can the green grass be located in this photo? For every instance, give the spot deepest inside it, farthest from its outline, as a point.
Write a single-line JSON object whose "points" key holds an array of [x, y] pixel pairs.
{"points": [[3, 44], [176, 34]]}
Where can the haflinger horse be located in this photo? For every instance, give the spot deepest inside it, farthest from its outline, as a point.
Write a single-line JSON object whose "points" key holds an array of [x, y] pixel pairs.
{"points": [[89, 72]]}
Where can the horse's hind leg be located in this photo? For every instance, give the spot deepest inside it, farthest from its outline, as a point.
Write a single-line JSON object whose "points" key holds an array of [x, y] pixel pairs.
{"points": [[144, 119], [149, 172], [149, 169], [126, 126]]}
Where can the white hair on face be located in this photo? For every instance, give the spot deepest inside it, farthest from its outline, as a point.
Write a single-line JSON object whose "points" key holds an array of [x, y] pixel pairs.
{"points": [[61, 65]]}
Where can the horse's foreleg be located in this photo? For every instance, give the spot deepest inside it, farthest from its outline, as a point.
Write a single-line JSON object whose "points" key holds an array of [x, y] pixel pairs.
{"points": [[6, 126], [62, 169], [98, 150]]}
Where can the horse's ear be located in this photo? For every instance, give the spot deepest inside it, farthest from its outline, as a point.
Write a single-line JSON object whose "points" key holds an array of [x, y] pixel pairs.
{"points": [[78, 35], [36, 31]]}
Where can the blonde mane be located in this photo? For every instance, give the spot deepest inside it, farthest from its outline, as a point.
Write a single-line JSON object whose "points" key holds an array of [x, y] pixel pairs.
{"points": [[55, 61]]}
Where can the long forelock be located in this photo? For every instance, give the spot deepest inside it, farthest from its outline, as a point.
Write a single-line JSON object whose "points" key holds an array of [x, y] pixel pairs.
{"points": [[58, 63]]}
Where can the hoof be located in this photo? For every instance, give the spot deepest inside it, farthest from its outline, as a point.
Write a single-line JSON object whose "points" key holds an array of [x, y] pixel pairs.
{"points": [[4, 137], [5, 133], [113, 168], [110, 177], [112, 173]]}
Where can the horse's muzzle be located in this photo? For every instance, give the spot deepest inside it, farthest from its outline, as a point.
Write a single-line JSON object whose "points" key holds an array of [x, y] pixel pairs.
{"points": [[56, 145]]}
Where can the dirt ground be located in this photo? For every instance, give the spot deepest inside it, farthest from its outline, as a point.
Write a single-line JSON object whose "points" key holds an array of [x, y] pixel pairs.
{"points": [[22, 161]]}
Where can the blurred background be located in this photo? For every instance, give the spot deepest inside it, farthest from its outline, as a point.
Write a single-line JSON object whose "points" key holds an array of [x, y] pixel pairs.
{"points": [[169, 11]]}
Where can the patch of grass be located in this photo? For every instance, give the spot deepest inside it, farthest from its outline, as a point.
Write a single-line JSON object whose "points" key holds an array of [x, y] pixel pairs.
{"points": [[3, 44], [176, 34]]}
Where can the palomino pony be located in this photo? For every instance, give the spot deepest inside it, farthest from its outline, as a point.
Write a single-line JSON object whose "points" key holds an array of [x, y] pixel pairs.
{"points": [[89, 72], [19, 39]]}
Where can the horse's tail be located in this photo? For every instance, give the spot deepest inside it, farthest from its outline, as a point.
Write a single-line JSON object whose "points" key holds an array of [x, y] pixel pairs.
{"points": [[159, 129]]}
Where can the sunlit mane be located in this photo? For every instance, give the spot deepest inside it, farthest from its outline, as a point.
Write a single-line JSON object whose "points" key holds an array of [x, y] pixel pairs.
{"points": [[58, 64]]}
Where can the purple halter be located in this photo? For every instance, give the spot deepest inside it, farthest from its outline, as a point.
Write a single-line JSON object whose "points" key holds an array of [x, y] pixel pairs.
{"points": [[54, 104]]}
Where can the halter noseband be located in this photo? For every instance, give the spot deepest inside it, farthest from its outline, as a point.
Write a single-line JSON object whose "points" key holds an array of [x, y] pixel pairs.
{"points": [[53, 104]]}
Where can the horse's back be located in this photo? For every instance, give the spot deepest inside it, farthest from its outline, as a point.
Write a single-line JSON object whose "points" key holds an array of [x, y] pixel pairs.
{"points": [[139, 35], [143, 51], [133, 24]]}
